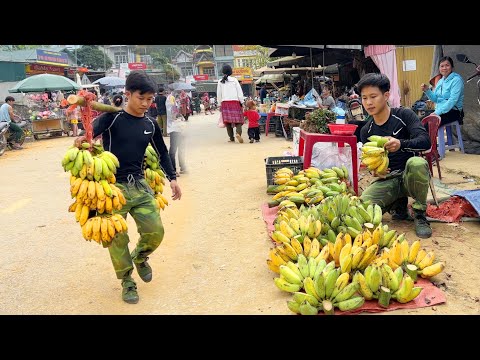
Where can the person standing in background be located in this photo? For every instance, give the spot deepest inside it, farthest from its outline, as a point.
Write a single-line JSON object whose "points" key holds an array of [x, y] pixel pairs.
{"points": [[161, 110], [230, 97], [448, 93], [184, 105], [253, 116], [263, 93]]}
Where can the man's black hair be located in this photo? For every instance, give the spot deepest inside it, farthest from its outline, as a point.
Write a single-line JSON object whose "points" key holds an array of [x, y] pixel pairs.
{"points": [[374, 79], [9, 98], [139, 80]]}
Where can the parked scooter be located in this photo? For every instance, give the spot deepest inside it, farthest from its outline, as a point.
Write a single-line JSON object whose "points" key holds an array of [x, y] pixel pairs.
{"points": [[6, 136], [464, 59], [355, 109]]}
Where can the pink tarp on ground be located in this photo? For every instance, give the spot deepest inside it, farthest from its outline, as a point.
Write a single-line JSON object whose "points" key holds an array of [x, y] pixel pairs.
{"points": [[430, 295]]}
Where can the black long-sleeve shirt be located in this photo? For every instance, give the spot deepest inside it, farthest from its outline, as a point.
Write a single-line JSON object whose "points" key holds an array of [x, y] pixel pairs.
{"points": [[403, 124], [127, 137]]}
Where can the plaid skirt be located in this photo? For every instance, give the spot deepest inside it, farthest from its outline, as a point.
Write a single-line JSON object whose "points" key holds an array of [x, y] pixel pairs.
{"points": [[232, 112]]}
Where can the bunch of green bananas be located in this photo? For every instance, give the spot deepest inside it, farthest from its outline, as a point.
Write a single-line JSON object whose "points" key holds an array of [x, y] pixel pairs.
{"points": [[325, 288], [374, 155], [348, 214], [382, 283], [155, 175]]}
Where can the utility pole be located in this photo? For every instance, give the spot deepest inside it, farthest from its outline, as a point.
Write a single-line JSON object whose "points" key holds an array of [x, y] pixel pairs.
{"points": [[215, 63], [104, 60]]}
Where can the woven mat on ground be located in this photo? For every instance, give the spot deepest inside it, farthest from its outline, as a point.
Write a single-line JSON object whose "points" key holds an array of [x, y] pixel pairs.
{"points": [[430, 295]]}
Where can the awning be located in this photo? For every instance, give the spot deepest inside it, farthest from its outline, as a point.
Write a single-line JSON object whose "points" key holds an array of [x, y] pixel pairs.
{"points": [[304, 50], [285, 61], [270, 78]]}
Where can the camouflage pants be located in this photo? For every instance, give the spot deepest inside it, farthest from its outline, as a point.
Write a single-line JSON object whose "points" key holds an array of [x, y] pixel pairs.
{"points": [[413, 182], [145, 211]]}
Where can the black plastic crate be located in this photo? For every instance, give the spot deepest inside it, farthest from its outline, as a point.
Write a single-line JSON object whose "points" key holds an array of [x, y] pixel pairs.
{"points": [[272, 164]]}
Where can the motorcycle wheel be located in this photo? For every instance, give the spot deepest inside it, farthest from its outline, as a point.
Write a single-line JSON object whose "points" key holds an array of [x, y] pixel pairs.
{"points": [[3, 144]]}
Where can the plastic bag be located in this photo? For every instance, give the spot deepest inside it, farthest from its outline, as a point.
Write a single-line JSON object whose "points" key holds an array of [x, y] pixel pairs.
{"points": [[326, 155], [221, 124]]}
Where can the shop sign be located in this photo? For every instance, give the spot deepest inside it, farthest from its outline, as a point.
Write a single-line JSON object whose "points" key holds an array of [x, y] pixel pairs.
{"points": [[244, 50], [52, 57], [34, 69], [137, 66], [200, 77], [242, 73]]}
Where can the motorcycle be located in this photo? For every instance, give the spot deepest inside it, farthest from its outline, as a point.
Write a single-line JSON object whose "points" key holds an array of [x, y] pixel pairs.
{"points": [[464, 59], [6, 136], [355, 109]]}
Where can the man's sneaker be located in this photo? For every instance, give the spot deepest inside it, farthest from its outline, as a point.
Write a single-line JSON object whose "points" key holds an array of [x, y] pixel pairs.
{"points": [[129, 291], [239, 138], [144, 270], [422, 226], [16, 146]]}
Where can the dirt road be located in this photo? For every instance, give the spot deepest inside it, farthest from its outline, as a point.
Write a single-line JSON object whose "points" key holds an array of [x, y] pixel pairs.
{"points": [[212, 259]]}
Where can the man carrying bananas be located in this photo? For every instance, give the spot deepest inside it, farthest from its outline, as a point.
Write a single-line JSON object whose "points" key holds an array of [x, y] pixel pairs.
{"points": [[400, 132], [127, 134]]}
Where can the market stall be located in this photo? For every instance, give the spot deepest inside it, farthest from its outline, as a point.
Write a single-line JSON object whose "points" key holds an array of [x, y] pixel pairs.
{"points": [[44, 103]]}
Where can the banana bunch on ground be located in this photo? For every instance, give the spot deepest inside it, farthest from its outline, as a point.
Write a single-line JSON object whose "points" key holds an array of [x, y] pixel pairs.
{"points": [[353, 256], [103, 229], [348, 214], [92, 185], [308, 186], [374, 155], [325, 288], [155, 175], [413, 260], [382, 283]]}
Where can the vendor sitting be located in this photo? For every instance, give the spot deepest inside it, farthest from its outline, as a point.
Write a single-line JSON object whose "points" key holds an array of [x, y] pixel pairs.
{"points": [[328, 101]]}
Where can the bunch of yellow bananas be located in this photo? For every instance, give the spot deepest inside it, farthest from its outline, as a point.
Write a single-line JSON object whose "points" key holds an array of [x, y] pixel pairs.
{"points": [[374, 155], [356, 256], [413, 260], [282, 176], [325, 288], [103, 229], [155, 176], [92, 184]]}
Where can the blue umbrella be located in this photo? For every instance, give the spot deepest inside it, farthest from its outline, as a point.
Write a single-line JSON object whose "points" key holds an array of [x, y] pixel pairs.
{"points": [[178, 86], [111, 81]]}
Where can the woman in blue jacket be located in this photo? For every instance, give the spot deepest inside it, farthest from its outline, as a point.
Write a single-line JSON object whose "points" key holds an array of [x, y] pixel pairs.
{"points": [[448, 93]]}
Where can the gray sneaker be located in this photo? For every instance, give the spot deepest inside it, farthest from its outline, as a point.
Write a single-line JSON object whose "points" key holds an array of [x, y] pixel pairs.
{"points": [[129, 291], [422, 226]]}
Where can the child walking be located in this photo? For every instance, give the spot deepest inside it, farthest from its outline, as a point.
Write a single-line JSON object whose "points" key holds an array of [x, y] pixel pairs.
{"points": [[253, 116]]}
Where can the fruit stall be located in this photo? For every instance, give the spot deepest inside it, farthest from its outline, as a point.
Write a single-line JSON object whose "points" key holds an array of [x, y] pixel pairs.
{"points": [[46, 116], [331, 250]]}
